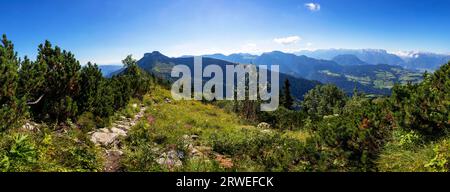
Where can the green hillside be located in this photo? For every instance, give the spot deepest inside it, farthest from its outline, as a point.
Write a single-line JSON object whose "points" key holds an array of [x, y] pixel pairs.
{"points": [[203, 137]]}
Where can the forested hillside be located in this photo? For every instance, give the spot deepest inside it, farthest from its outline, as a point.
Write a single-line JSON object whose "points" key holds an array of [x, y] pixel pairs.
{"points": [[56, 115]]}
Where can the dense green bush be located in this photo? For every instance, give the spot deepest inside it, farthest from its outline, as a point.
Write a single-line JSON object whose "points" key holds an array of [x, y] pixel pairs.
{"points": [[20, 153], [267, 148], [284, 119], [353, 140], [441, 160], [425, 107], [323, 100], [47, 151]]}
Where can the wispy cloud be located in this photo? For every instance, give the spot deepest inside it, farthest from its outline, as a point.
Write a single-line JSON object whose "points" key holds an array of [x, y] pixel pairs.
{"points": [[313, 6], [287, 40]]}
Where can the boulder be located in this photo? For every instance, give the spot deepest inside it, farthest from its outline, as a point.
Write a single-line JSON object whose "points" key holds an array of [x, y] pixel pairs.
{"points": [[104, 139], [119, 131]]}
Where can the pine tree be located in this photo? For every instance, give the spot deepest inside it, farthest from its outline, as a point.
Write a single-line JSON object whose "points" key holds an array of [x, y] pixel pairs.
{"points": [[129, 62], [31, 80], [105, 104], [139, 80], [9, 65], [90, 82], [61, 85], [95, 95], [11, 108], [287, 100]]}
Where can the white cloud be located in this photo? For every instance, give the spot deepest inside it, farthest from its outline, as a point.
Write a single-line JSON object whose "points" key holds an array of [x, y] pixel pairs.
{"points": [[313, 6], [287, 40]]}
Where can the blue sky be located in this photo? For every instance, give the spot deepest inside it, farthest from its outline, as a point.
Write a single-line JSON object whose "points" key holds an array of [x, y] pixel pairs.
{"points": [[105, 31]]}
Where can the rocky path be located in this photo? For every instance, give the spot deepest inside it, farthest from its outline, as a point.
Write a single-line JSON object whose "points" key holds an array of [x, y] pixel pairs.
{"points": [[108, 139], [171, 159]]}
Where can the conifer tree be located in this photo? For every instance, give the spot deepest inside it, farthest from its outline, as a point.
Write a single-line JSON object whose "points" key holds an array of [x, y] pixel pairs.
{"points": [[286, 97], [11, 109], [61, 85], [31, 80], [9, 65], [105, 104], [95, 95], [139, 80], [90, 82]]}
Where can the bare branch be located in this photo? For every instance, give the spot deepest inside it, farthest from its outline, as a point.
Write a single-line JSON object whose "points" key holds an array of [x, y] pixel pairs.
{"points": [[36, 102]]}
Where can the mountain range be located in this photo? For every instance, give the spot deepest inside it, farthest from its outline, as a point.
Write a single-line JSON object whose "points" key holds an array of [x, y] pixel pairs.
{"points": [[346, 71], [368, 70], [423, 61], [161, 65]]}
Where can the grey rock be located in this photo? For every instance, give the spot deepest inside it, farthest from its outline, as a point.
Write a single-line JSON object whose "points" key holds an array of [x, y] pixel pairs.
{"points": [[119, 131], [104, 139]]}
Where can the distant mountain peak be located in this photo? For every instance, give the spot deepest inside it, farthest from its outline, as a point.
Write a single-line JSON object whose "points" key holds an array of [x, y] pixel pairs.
{"points": [[154, 53]]}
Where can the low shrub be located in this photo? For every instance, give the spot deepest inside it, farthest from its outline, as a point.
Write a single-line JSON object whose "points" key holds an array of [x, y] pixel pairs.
{"points": [[441, 160], [86, 122]]}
